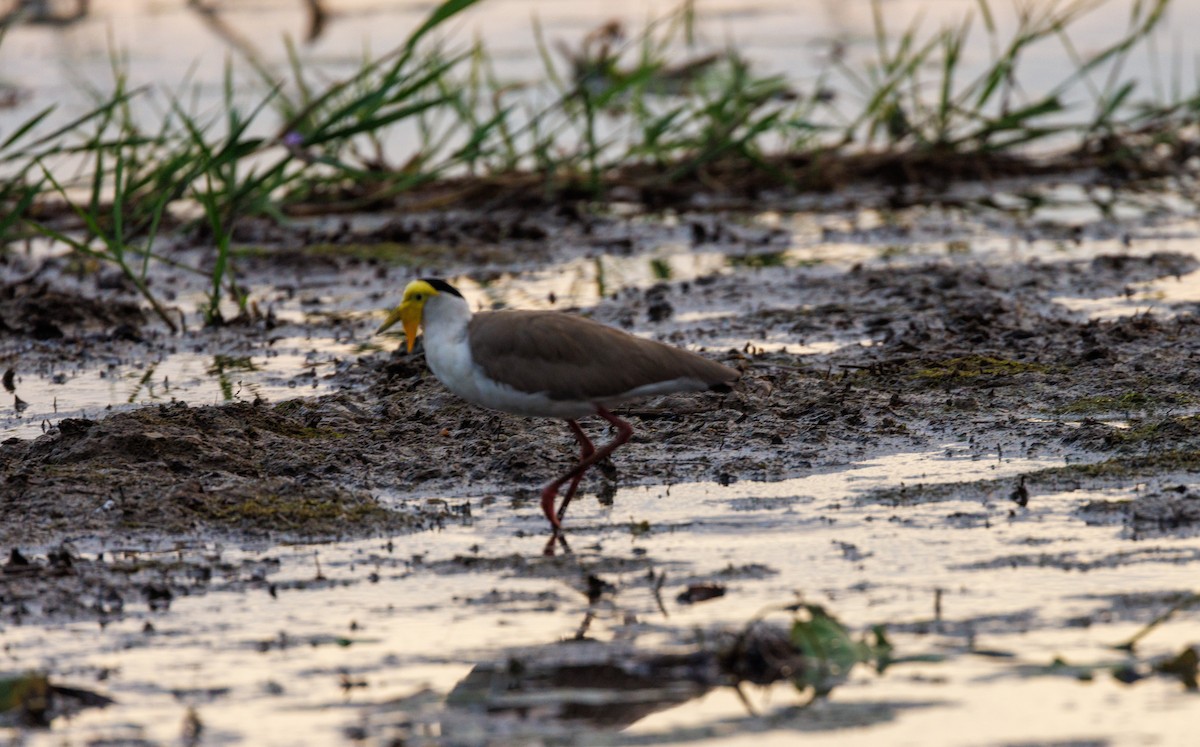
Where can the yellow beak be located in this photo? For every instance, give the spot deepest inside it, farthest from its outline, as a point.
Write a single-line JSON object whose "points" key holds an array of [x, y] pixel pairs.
{"points": [[408, 314]]}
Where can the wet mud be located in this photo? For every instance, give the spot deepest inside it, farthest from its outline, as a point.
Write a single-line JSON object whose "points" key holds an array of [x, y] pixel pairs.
{"points": [[1049, 421], [943, 349], [33, 309]]}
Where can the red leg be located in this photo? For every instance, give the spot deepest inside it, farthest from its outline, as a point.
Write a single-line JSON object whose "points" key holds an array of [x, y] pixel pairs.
{"points": [[586, 449], [624, 432]]}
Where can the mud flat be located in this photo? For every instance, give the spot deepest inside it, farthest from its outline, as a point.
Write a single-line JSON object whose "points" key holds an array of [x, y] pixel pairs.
{"points": [[980, 435]]}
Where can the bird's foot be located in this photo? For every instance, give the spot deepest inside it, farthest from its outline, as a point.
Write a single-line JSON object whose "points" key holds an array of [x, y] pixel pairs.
{"points": [[557, 538]]}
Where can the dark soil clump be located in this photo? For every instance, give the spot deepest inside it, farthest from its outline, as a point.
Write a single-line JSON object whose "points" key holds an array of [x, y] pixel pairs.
{"points": [[39, 312], [248, 468]]}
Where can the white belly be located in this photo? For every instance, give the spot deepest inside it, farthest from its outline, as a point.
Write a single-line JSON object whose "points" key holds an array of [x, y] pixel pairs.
{"points": [[450, 360]]}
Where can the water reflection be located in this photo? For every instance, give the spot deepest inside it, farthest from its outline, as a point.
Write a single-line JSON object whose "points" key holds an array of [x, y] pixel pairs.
{"points": [[584, 685], [575, 683], [289, 367]]}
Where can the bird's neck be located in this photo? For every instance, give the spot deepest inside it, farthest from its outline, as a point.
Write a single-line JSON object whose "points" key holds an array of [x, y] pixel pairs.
{"points": [[445, 321], [447, 350]]}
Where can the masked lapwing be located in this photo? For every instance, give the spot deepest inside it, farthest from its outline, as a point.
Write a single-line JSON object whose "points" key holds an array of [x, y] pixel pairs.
{"points": [[547, 364]]}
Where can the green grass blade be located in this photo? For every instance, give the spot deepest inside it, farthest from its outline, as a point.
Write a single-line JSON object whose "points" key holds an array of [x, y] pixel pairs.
{"points": [[26, 126], [440, 15]]}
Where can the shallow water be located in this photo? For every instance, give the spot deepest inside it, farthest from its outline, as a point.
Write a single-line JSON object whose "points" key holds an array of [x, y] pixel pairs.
{"points": [[272, 668], [291, 367]]}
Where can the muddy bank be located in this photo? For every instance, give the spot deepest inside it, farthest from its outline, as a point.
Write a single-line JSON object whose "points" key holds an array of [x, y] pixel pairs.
{"points": [[937, 350], [177, 469]]}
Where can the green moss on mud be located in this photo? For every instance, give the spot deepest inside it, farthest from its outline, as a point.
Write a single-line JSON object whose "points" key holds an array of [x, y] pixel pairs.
{"points": [[757, 261], [1182, 460], [277, 508], [1133, 401], [388, 252], [971, 367], [1176, 434], [296, 513]]}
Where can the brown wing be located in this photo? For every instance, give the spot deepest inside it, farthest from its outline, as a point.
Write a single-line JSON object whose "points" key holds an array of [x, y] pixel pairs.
{"points": [[572, 358]]}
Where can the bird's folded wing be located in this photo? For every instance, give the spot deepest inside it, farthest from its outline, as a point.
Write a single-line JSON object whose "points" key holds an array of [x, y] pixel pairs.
{"points": [[568, 357]]}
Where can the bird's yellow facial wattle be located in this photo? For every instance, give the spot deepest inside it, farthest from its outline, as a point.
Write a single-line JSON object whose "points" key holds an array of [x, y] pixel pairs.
{"points": [[408, 313]]}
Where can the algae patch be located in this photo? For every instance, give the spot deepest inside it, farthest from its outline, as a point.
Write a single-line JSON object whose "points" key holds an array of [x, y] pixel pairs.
{"points": [[971, 368], [1126, 402], [298, 513]]}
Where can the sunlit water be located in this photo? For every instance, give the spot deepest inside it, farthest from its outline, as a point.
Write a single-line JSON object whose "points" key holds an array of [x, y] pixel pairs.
{"points": [[267, 670], [292, 367]]}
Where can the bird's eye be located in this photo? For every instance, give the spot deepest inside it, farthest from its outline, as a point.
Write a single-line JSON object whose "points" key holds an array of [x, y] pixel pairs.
{"points": [[417, 297]]}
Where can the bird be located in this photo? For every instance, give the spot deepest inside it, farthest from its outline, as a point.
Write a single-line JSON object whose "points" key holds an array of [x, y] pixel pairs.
{"points": [[548, 364]]}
